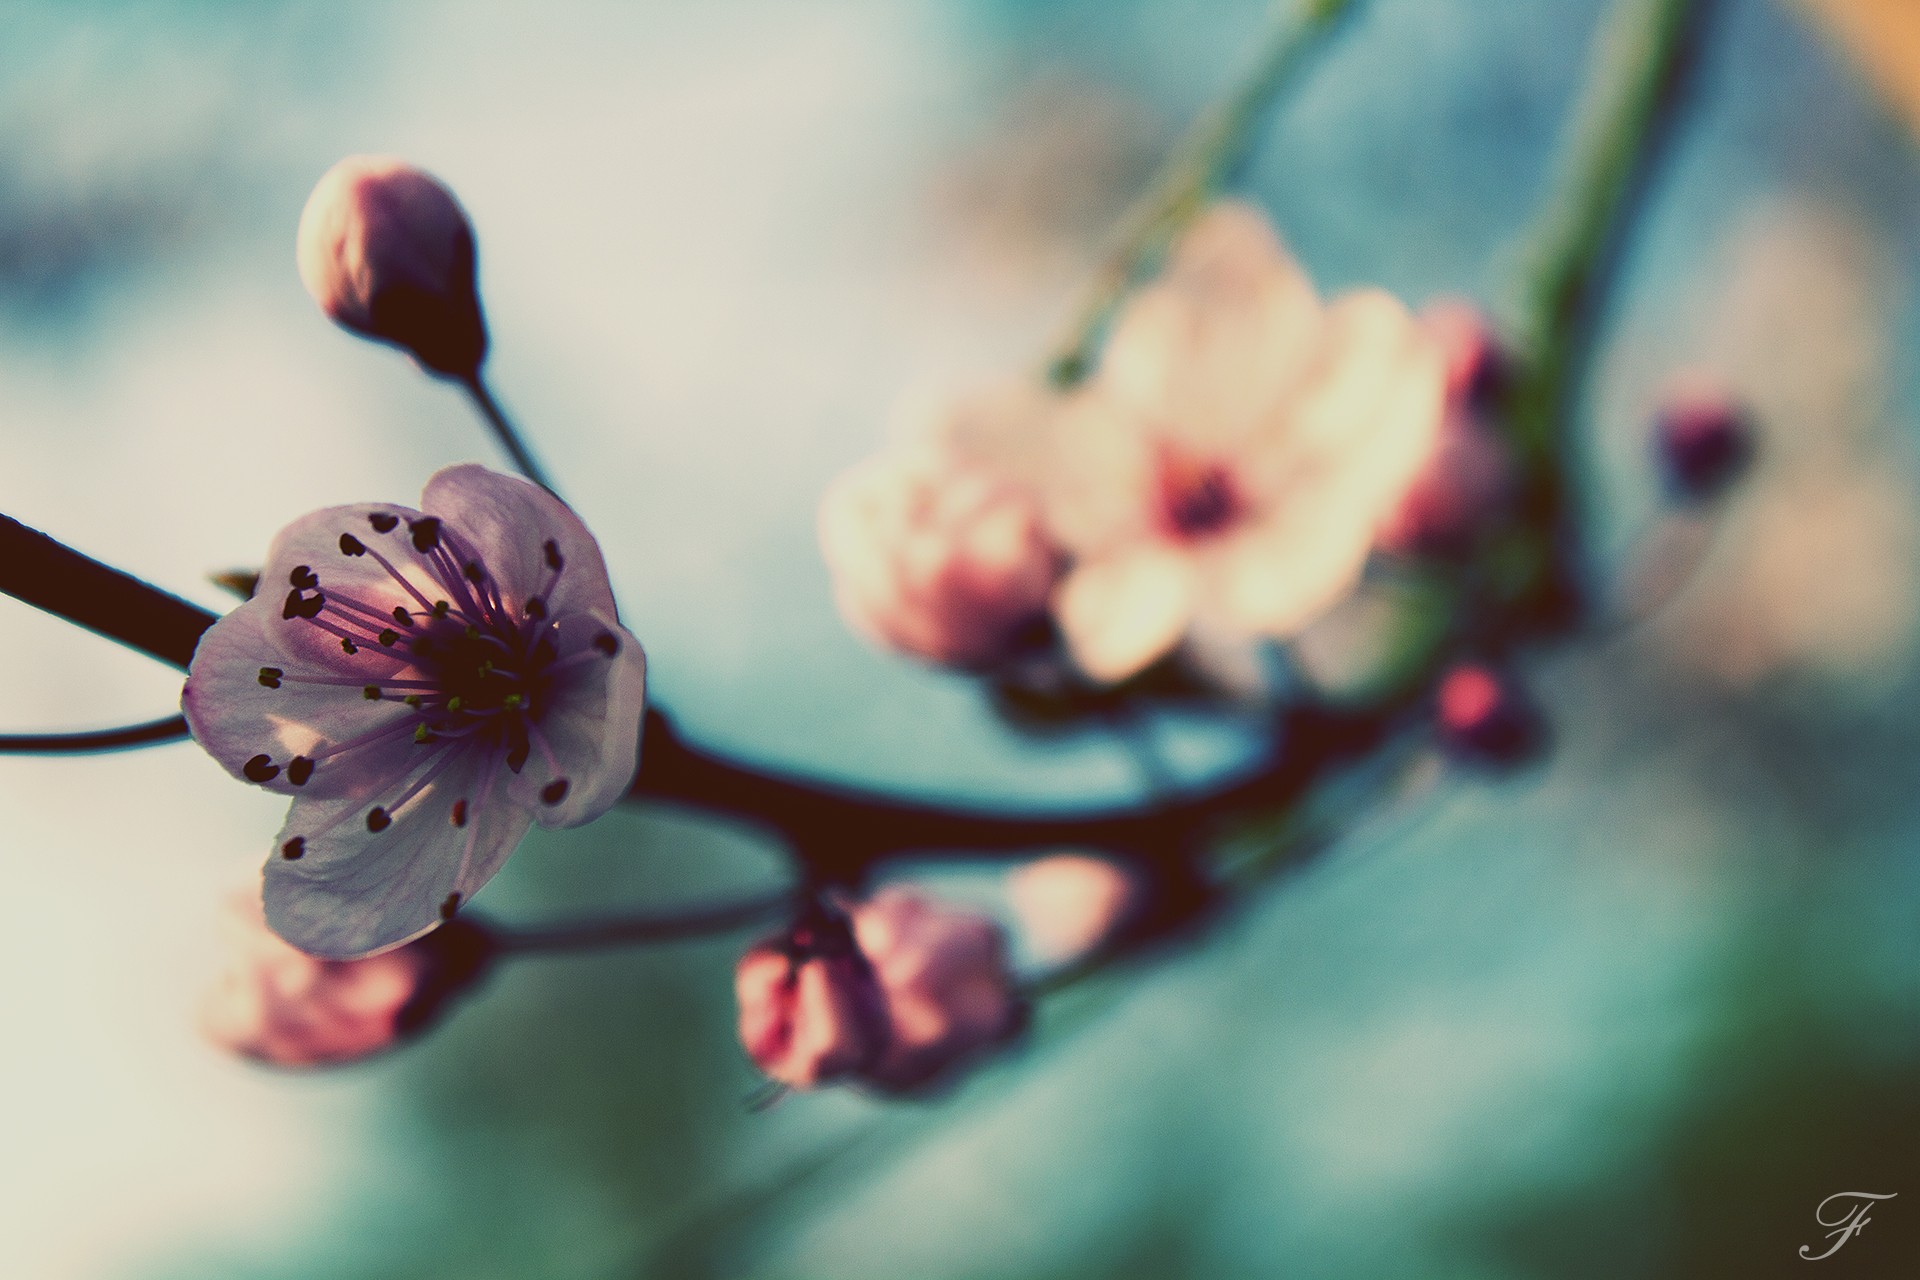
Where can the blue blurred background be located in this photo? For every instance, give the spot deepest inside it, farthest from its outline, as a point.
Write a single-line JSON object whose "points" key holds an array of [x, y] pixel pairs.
{"points": [[1633, 1014]]}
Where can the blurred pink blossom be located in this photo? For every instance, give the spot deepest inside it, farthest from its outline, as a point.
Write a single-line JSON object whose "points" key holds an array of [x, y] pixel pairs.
{"points": [[1228, 463], [387, 252], [1069, 904], [938, 557], [950, 994], [277, 1004]]}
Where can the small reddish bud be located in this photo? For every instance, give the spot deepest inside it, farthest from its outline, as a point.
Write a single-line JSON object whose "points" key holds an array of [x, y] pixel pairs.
{"points": [[1704, 441], [1483, 716], [811, 1010], [387, 253], [278, 1005], [1475, 362], [951, 996]]}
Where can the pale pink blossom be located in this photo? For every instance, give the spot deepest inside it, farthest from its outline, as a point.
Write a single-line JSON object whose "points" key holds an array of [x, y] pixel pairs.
{"points": [[1069, 904], [950, 995], [387, 252], [432, 682], [277, 1004], [1226, 466], [811, 1010], [938, 557]]}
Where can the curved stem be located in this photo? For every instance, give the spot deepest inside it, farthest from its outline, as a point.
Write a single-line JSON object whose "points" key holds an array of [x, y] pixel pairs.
{"points": [[150, 733], [1215, 144], [504, 431], [633, 930]]}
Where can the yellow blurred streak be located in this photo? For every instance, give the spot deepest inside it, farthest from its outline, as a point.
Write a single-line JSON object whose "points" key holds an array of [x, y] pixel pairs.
{"points": [[1884, 37]]}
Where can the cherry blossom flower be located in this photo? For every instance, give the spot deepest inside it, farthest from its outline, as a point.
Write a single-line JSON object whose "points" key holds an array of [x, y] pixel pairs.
{"points": [[1227, 464], [811, 1011], [949, 993], [277, 1004], [387, 253], [938, 557], [431, 683]]}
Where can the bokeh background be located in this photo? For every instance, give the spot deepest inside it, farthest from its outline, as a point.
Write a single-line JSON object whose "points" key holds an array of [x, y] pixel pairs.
{"points": [[1634, 1013]]}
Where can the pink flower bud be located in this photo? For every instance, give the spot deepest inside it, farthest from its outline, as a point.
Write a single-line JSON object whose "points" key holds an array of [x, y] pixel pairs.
{"points": [[387, 252], [810, 1008], [279, 1005], [937, 557], [1474, 361], [1703, 439], [1482, 716], [1069, 904], [950, 994]]}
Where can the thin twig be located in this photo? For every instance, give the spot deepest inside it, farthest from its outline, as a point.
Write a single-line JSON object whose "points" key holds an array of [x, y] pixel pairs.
{"points": [[631, 930], [504, 431], [150, 733]]}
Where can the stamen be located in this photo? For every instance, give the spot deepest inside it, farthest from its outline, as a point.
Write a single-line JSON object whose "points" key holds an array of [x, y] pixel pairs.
{"points": [[299, 606], [607, 642], [554, 560], [383, 522], [261, 769], [299, 769], [371, 693], [401, 616], [536, 608], [303, 578], [425, 533], [293, 848], [270, 677], [554, 792], [352, 546], [405, 582], [378, 820], [459, 814]]}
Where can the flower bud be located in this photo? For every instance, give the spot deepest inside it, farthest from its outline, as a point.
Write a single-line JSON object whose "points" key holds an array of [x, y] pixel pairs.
{"points": [[1484, 717], [938, 558], [387, 252], [810, 1008], [950, 994], [1703, 439], [279, 1005], [1069, 904], [1475, 363]]}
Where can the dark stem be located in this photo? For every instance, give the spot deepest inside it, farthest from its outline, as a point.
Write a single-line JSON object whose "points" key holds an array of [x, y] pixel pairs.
{"points": [[50, 576], [504, 431], [171, 729]]}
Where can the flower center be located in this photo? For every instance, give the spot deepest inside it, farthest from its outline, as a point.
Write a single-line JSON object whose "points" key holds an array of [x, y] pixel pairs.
{"points": [[1194, 498]]}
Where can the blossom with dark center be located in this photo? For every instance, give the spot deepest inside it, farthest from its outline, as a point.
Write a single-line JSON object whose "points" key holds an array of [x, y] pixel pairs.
{"points": [[1221, 473], [425, 685]]}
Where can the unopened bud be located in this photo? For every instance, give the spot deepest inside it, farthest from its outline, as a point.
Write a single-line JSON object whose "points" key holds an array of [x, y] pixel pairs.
{"points": [[811, 1010], [1070, 904], [1483, 716], [1476, 364], [387, 252], [950, 993], [1704, 441], [279, 1005], [938, 558]]}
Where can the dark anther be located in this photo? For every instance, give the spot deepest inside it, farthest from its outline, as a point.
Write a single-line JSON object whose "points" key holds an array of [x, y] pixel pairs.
{"points": [[451, 905], [402, 617], [554, 792], [459, 813], [270, 677], [377, 819], [413, 700], [299, 606], [517, 753], [383, 522], [352, 546], [536, 608], [303, 578], [426, 533], [293, 848], [261, 769], [554, 562], [607, 643], [299, 769], [475, 574], [441, 608], [371, 693], [389, 637], [348, 647]]}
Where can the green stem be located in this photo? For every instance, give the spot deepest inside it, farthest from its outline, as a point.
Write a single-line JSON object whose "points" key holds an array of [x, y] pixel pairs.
{"points": [[1215, 144], [503, 431]]}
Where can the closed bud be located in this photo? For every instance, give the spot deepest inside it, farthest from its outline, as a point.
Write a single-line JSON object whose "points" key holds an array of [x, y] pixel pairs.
{"points": [[278, 1005], [1070, 904], [388, 253], [939, 558], [1703, 439], [811, 1010], [1484, 717], [950, 993], [1476, 365]]}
